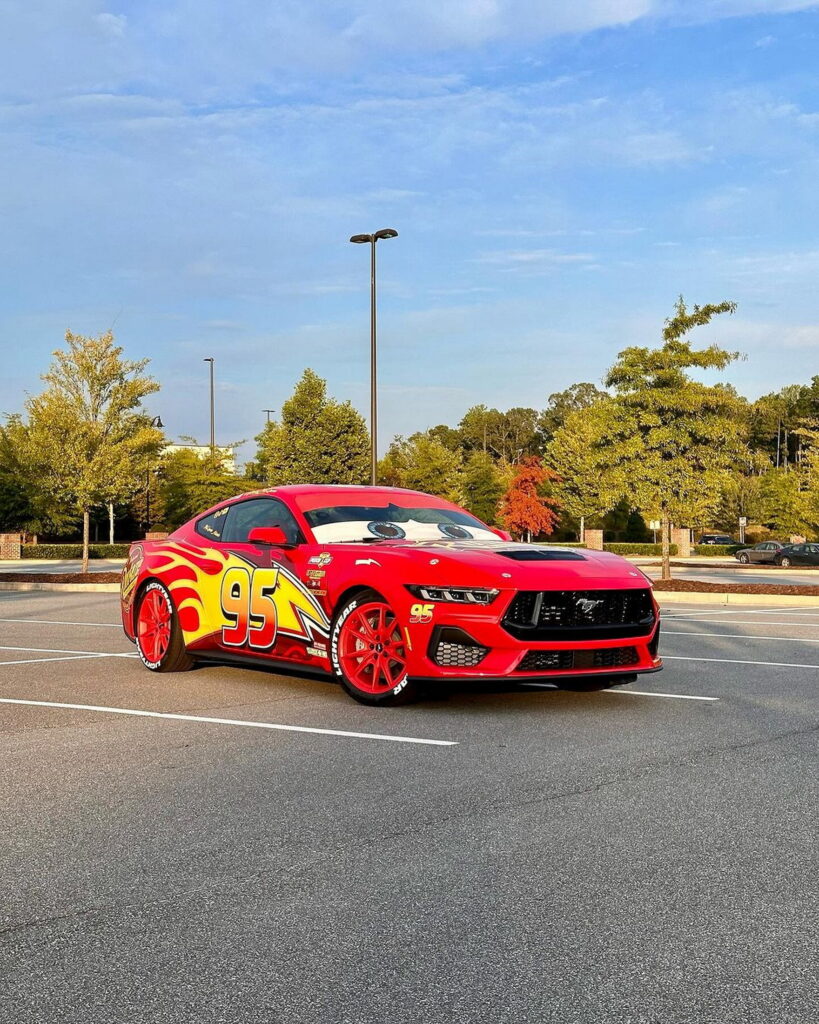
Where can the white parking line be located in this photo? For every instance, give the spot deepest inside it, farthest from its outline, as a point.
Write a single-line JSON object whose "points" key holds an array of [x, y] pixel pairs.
{"points": [[741, 636], [228, 721], [87, 654], [743, 611], [673, 696], [68, 657], [59, 622], [736, 661]]}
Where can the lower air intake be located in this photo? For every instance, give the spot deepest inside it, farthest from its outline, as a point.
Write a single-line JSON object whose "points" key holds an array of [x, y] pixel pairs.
{"points": [[453, 648], [551, 661]]}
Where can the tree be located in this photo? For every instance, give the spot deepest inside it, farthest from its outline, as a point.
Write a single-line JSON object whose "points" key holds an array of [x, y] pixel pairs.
{"points": [[318, 439], [188, 483], [525, 510], [589, 485], [674, 438], [505, 435], [88, 441], [785, 505], [422, 463], [563, 403], [483, 486]]}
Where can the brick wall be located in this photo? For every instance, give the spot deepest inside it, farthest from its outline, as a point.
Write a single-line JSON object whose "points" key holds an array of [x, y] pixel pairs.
{"points": [[594, 539], [10, 545], [682, 538]]}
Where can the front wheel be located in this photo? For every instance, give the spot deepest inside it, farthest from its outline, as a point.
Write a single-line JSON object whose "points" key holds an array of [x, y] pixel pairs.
{"points": [[744, 559], [785, 562], [159, 639], [369, 652]]}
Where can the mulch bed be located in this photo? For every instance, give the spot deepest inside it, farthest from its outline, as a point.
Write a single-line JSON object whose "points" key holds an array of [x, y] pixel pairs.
{"points": [[59, 577], [701, 587]]}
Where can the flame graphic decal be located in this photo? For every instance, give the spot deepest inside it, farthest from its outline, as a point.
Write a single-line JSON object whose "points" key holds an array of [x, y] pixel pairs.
{"points": [[194, 576]]}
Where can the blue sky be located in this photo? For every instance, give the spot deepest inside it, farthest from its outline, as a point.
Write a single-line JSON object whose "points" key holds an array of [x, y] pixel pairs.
{"points": [[189, 172]]}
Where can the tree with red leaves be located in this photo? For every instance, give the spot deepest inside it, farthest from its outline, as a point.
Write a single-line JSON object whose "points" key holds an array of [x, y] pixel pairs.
{"points": [[524, 510]]}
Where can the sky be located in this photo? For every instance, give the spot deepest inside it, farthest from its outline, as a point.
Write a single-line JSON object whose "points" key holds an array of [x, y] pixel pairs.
{"points": [[188, 172]]}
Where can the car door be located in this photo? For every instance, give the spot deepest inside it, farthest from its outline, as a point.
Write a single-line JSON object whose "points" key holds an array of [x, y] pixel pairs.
{"points": [[762, 552], [267, 607], [812, 554]]}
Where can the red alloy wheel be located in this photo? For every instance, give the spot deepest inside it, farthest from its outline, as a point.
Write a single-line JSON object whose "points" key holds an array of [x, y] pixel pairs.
{"points": [[154, 625], [371, 649]]}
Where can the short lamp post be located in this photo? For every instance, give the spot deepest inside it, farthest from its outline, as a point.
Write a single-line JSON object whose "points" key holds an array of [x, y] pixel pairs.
{"points": [[372, 239], [155, 422]]}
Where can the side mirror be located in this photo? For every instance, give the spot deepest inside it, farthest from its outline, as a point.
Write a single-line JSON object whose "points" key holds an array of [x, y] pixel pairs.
{"points": [[273, 535], [503, 534]]}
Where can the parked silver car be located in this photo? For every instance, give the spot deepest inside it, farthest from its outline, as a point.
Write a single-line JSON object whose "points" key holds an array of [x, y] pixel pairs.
{"points": [[766, 551]]}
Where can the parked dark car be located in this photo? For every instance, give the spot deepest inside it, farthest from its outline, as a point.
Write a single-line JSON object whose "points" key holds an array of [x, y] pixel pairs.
{"points": [[766, 551], [797, 554], [716, 538]]}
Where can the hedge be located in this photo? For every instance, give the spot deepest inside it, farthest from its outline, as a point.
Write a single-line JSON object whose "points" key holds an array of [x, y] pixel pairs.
{"points": [[718, 549], [561, 544], [639, 549], [74, 551]]}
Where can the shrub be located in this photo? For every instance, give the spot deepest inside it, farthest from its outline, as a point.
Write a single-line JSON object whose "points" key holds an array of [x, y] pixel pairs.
{"points": [[717, 549], [638, 549], [74, 551]]}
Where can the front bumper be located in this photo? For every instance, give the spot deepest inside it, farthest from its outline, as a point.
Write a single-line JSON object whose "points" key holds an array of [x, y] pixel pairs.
{"points": [[496, 654]]}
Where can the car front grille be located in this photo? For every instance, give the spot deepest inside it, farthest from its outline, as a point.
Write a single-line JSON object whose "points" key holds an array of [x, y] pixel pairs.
{"points": [[551, 661], [579, 614]]}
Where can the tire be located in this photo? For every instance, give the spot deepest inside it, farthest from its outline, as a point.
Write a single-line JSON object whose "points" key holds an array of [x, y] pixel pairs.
{"points": [[159, 639], [368, 652], [785, 562], [587, 684], [744, 559]]}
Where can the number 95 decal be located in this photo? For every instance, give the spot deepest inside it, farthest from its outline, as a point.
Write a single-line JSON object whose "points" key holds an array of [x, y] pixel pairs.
{"points": [[249, 608], [421, 612]]}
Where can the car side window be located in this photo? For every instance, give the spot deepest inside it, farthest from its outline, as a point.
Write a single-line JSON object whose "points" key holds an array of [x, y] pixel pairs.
{"points": [[213, 526], [245, 515]]}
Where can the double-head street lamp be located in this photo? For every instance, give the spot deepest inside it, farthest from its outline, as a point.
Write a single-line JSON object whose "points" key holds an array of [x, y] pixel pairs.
{"points": [[372, 239], [209, 359]]}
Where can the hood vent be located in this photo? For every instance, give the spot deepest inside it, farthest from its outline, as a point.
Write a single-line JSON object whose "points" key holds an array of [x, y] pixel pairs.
{"points": [[542, 555]]}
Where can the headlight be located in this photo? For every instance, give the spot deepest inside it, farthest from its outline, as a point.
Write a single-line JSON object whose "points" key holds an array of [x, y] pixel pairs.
{"points": [[453, 595]]}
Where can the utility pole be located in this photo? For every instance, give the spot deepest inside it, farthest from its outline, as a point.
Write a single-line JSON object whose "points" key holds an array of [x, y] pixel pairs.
{"points": [[210, 359]]}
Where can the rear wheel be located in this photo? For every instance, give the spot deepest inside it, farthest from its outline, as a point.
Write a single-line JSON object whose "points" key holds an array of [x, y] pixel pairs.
{"points": [[369, 653], [159, 639]]}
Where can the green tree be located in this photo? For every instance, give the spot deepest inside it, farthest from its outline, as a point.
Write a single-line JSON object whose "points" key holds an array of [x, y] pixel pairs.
{"points": [[589, 485], [87, 440], [507, 436], [562, 403], [673, 438], [318, 440], [482, 484], [187, 483], [422, 463], [786, 506]]}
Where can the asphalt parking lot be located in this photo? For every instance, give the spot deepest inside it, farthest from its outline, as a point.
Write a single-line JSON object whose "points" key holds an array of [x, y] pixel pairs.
{"points": [[639, 854]]}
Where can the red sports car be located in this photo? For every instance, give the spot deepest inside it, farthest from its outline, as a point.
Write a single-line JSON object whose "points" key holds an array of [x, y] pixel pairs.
{"points": [[387, 589]]}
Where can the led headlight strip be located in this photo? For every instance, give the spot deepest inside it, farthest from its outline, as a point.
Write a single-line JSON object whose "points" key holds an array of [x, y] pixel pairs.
{"points": [[453, 595]]}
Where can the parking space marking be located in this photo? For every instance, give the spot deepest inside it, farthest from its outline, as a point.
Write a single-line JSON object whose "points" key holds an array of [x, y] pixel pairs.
{"points": [[87, 654], [736, 661], [742, 622], [741, 636], [60, 622], [228, 721], [69, 657], [673, 696]]}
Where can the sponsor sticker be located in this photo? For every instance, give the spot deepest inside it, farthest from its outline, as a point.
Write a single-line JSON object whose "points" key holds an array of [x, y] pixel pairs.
{"points": [[420, 613], [323, 559], [136, 556], [318, 652], [316, 574]]}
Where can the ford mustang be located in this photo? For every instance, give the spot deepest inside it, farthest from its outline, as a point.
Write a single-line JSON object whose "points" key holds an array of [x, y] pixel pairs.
{"points": [[386, 589]]}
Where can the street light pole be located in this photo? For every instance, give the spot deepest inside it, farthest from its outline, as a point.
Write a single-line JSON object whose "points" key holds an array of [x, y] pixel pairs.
{"points": [[372, 239], [268, 411], [209, 359]]}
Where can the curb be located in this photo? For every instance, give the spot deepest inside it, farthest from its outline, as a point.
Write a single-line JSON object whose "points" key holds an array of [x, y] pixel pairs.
{"points": [[64, 588], [698, 597]]}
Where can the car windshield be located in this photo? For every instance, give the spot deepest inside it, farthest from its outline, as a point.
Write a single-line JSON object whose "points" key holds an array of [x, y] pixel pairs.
{"points": [[343, 524]]}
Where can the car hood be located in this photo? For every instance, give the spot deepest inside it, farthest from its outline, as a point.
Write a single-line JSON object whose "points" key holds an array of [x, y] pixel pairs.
{"points": [[502, 564]]}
